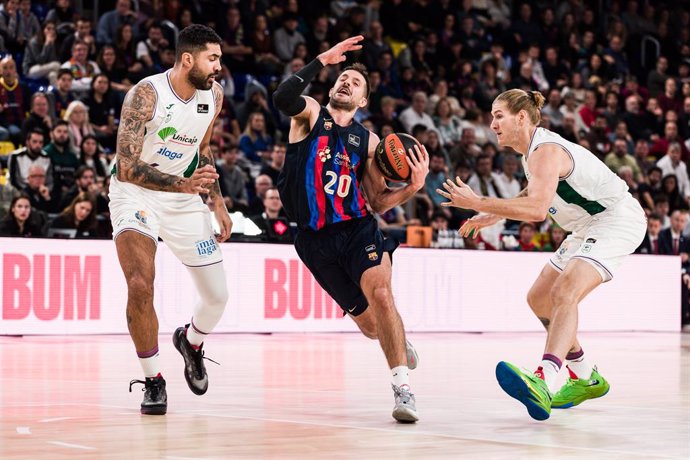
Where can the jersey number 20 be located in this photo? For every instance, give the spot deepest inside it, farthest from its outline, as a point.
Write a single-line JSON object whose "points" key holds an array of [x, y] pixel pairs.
{"points": [[343, 184]]}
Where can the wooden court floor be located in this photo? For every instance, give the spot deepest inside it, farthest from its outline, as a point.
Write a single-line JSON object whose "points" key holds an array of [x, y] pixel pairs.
{"points": [[327, 396]]}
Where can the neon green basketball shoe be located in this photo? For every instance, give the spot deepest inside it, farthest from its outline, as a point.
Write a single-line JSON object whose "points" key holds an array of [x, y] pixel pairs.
{"points": [[527, 388], [576, 391]]}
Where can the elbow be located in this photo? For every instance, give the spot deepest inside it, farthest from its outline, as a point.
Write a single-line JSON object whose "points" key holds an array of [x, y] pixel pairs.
{"points": [[539, 213]]}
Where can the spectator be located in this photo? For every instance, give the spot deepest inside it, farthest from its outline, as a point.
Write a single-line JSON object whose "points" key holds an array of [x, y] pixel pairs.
{"points": [[588, 111], [9, 26], [78, 125], [670, 188], [22, 221], [83, 70], [38, 192], [104, 108], [61, 14], [274, 168], [672, 164], [388, 116], [648, 191], [13, 101], [261, 184], [84, 182], [615, 56], [448, 125], [32, 155], [237, 55], [556, 236], [672, 241], [415, 114], [115, 70], [526, 234], [255, 141], [287, 37], [552, 108], [39, 117], [642, 156], [620, 157], [482, 181], [126, 53], [112, 20], [506, 182], [40, 55], [90, 154], [80, 215], [84, 33], [597, 137], [669, 99], [234, 180], [656, 79], [467, 150], [148, 51], [63, 159], [272, 222], [684, 120], [61, 95], [611, 109], [635, 120], [438, 174], [262, 45], [256, 101], [650, 243]]}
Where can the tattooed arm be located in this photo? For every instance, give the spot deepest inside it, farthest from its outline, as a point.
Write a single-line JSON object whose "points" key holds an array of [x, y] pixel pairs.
{"points": [[137, 110]]}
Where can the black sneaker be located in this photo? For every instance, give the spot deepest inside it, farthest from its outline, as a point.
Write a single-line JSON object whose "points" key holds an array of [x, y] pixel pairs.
{"points": [[155, 397], [194, 368]]}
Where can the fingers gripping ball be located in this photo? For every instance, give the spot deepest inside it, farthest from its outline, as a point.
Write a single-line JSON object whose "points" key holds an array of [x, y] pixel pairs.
{"points": [[391, 156]]}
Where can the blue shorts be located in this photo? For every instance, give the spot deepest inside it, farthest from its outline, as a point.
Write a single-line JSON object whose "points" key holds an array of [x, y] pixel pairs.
{"points": [[339, 254]]}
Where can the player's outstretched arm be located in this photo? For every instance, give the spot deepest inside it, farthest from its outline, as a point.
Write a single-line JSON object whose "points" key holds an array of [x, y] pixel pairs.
{"points": [[380, 197], [137, 110], [547, 163]]}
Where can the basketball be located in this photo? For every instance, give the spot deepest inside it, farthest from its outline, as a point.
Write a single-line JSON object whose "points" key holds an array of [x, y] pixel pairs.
{"points": [[391, 156]]}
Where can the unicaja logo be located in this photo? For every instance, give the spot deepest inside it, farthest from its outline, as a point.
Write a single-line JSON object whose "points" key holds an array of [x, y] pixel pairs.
{"points": [[166, 132]]}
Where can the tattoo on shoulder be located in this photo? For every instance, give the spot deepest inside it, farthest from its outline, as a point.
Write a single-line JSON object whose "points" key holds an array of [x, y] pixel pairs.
{"points": [[218, 96]]}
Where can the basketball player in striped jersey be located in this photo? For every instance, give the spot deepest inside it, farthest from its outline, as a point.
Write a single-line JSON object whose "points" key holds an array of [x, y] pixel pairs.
{"points": [[163, 163], [569, 183], [328, 173]]}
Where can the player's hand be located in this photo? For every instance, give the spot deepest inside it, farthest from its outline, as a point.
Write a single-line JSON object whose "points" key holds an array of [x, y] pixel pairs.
{"points": [[472, 226], [459, 194], [418, 159], [336, 54], [199, 180], [224, 222]]}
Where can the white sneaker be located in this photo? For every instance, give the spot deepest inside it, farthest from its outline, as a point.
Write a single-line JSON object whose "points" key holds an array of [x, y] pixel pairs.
{"points": [[405, 410]]}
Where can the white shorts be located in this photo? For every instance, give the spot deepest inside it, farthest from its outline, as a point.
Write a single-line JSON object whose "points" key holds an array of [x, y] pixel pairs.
{"points": [[182, 220], [612, 235]]}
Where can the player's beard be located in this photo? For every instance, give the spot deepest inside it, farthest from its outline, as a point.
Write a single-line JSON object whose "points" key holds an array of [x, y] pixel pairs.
{"points": [[345, 106], [200, 80]]}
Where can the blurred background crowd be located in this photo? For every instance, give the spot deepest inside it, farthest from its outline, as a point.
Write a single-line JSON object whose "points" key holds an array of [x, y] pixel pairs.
{"points": [[616, 75]]}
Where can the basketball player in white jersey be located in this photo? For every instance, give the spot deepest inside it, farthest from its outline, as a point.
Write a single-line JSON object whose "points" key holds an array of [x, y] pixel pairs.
{"points": [[567, 182], [163, 163]]}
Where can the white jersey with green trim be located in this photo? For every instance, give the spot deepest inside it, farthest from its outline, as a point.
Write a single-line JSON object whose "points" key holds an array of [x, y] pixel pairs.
{"points": [[588, 189], [174, 133]]}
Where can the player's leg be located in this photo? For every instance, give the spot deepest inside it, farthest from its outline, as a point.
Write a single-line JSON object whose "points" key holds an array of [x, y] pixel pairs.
{"points": [[136, 253], [366, 322], [188, 232]]}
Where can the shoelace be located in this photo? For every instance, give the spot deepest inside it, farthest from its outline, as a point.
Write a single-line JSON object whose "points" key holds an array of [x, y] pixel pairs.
{"points": [[155, 387], [199, 356], [143, 382]]}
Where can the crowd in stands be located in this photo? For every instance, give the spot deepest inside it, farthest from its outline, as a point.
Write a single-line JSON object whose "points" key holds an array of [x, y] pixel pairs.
{"points": [[616, 75]]}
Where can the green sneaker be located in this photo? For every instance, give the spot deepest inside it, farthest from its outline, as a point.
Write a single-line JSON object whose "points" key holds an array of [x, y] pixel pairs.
{"points": [[527, 388], [576, 391]]}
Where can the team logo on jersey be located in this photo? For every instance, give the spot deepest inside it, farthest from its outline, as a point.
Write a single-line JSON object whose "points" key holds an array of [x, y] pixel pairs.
{"points": [[552, 210], [206, 247], [342, 159], [202, 108], [354, 140], [141, 216], [324, 154], [169, 106], [327, 125]]}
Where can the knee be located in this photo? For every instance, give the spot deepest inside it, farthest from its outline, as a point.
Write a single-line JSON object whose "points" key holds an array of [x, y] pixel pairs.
{"points": [[140, 288], [217, 296], [535, 299], [562, 295], [382, 299]]}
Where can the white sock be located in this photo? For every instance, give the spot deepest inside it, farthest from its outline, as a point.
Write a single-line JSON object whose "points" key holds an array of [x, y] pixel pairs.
{"points": [[149, 362], [401, 376], [194, 335], [579, 368], [550, 370]]}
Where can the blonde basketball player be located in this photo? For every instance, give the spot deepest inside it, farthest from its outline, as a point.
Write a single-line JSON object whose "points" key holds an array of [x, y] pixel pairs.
{"points": [[584, 197], [163, 163]]}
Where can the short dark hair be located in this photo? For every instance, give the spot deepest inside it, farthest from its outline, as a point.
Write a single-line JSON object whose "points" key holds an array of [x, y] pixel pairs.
{"points": [[654, 216], [194, 39], [59, 123], [654, 169], [62, 72], [361, 68], [82, 169], [35, 131]]}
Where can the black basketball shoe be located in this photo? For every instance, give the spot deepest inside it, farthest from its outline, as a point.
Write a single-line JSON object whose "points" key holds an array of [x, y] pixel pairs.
{"points": [[194, 368], [155, 397]]}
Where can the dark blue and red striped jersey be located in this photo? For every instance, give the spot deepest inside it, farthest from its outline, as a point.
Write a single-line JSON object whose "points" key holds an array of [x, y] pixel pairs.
{"points": [[320, 181]]}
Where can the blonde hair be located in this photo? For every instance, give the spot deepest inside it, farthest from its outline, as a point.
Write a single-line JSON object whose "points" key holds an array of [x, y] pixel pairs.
{"points": [[70, 108], [529, 101]]}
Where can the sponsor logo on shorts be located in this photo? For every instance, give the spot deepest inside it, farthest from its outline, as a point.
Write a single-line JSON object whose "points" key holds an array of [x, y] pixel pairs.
{"points": [[206, 247], [591, 240], [586, 247], [141, 216], [371, 252]]}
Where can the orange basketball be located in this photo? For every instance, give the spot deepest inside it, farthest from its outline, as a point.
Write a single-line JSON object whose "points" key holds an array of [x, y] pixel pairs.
{"points": [[391, 156]]}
